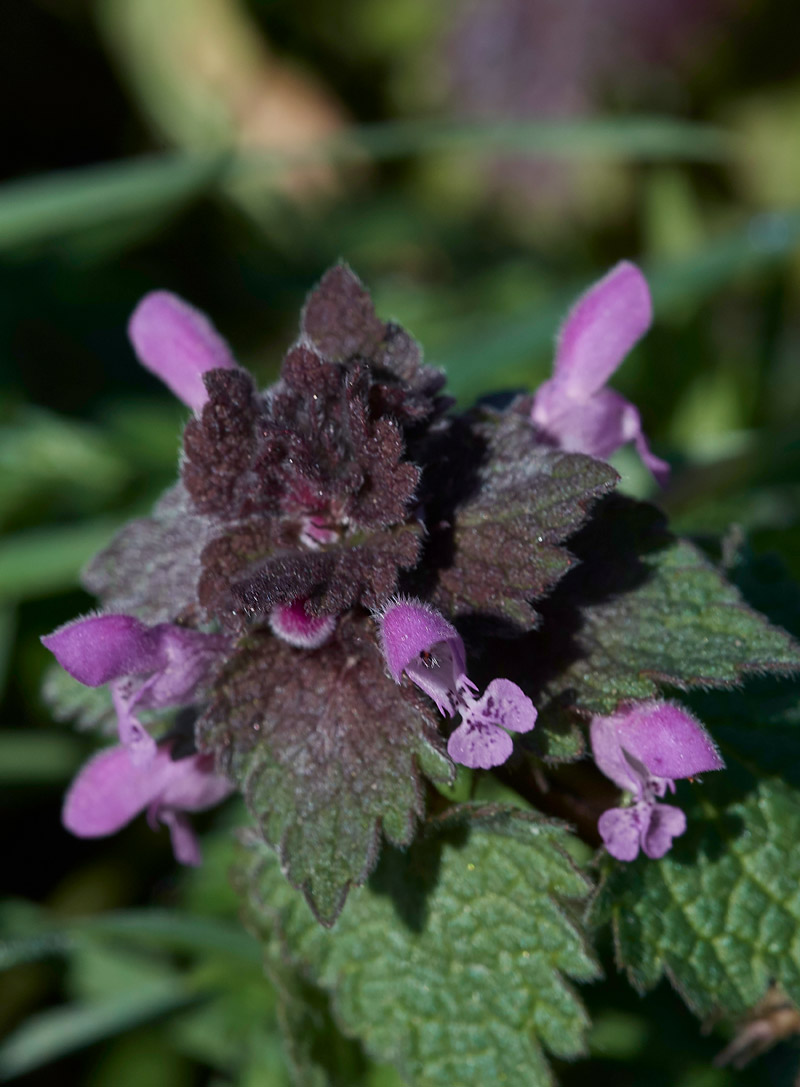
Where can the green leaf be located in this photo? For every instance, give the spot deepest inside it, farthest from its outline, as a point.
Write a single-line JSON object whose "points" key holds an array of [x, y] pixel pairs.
{"points": [[719, 915], [89, 708], [36, 757], [505, 548], [41, 561], [327, 755], [645, 609], [451, 963]]}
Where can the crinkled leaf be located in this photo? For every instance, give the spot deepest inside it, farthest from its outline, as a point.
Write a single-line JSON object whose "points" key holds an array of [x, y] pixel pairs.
{"points": [[644, 609], [151, 567], [452, 962], [328, 751], [504, 548], [340, 322], [719, 915]]}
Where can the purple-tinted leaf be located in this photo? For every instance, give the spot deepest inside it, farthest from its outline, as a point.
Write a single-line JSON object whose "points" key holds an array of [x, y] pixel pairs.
{"points": [[505, 546], [644, 609], [152, 566], [328, 751]]}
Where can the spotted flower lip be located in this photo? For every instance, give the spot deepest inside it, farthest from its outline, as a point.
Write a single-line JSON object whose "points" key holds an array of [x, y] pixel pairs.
{"points": [[149, 667], [419, 641], [178, 344], [643, 750], [575, 408], [112, 789]]}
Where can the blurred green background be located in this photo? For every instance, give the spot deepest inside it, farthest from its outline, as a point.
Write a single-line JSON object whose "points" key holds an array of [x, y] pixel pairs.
{"points": [[477, 162]]}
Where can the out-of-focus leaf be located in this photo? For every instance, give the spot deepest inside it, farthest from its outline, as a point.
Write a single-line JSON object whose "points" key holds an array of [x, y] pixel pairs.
{"points": [[40, 561], [8, 625], [42, 454], [89, 708], [37, 757]]}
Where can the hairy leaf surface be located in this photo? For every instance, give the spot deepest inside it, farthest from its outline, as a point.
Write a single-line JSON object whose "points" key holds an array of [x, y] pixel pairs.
{"points": [[719, 915], [503, 544], [452, 962], [645, 609], [328, 751]]}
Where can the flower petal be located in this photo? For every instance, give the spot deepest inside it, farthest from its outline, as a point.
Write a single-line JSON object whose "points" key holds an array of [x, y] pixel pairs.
{"points": [[293, 623], [109, 791], [183, 661], [409, 628], [619, 829], [600, 330], [184, 840], [479, 746], [103, 647], [194, 785], [665, 823], [179, 344], [598, 426], [667, 739], [503, 703]]}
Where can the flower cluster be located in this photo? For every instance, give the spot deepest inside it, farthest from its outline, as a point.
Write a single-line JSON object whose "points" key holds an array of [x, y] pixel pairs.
{"points": [[336, 526]]}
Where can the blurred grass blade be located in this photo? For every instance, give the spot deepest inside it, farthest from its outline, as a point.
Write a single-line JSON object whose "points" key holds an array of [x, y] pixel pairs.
{"points": [[38, 562], [35, 757], [40, 208], [622, 137], [71, 202], [32, 933], [53, 1034], [173, 930]]}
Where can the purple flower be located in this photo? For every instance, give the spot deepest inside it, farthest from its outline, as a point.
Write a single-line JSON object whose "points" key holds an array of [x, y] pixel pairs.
{"points": [[149, 667], [419, 641], [575, 408], [643, 750], [293, 623], [111, 790], [179, 344]]}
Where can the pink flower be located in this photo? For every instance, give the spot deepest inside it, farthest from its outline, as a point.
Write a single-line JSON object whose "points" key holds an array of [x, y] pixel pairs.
{"points": [[575, 408], [293, 623], [179, 344], [643, 750], [111, 790], [419, 641], [149, 667]]}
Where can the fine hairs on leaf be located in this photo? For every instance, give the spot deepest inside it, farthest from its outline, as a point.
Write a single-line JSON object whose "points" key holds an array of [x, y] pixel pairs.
{"points": [[470, 987], [328, 756]]}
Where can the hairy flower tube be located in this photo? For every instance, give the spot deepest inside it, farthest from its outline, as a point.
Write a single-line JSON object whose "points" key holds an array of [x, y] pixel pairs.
{"points": [[419, 641], [575, 408], [111, 790], [644, 749]]}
